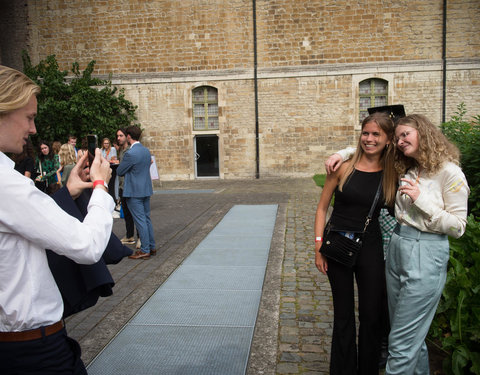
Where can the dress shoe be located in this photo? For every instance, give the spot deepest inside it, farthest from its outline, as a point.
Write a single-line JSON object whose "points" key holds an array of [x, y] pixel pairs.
{"points": [[153, 252], [128, 241], [140, 255]]}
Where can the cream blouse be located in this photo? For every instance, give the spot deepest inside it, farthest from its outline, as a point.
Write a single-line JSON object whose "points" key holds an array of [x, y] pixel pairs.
{"points": [[442, 204]]}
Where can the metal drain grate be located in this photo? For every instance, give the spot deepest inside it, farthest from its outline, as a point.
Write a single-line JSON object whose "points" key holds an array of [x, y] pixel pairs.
{"points": [[201, 320]]}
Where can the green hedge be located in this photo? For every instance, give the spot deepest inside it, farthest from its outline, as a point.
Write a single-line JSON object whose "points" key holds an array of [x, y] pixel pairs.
{"points": [[457, 322]]}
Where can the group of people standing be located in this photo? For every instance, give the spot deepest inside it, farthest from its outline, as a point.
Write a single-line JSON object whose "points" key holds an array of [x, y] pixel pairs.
{"points": [[423, 186], [51, 168]]}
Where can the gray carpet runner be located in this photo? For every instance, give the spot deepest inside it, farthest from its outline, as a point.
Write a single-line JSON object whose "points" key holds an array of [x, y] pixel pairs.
{"points": [[201, 320]]}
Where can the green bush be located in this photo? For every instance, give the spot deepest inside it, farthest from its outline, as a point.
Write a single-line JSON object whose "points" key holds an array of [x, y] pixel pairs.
{"points": [[457, 323], [79, 106], [466, 135], [320, 179]]}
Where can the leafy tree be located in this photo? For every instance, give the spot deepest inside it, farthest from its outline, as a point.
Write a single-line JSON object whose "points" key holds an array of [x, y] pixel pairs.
{"points": [[80, 105], [466, 136], [457, 322]]}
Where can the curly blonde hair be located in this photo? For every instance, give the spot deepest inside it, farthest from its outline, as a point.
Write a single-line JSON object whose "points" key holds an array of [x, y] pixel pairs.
{"points": [[434, 148]]}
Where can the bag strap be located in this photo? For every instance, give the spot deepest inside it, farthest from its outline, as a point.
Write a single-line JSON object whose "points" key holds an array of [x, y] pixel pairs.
{"points": [[375, 200]]}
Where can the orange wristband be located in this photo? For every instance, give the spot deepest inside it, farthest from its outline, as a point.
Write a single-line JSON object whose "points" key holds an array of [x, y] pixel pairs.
{"points": [[99, 182]]}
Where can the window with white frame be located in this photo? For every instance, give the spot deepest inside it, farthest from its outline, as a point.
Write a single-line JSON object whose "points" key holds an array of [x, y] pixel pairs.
{"points": [[373, 93], [205, 108]]}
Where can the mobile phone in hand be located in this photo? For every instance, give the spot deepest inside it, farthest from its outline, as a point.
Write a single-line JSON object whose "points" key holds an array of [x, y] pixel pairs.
{"points": [[92, 142]]}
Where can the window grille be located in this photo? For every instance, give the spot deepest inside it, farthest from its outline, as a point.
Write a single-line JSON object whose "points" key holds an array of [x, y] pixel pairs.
{"points": [[373, 93], [205, 108]]}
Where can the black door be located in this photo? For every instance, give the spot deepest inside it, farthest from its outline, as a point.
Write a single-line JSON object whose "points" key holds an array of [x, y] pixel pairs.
{"points": [[206, 147]]}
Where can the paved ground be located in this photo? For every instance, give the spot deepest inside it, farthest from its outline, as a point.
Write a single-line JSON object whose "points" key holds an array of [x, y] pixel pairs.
{"points": [[293, 330]]}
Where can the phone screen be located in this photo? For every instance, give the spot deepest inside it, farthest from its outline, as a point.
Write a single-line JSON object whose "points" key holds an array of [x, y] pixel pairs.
{"points": [[92, 145]]}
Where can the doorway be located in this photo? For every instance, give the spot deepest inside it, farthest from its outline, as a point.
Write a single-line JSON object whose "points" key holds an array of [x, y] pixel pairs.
{"points": [[206, 156]]}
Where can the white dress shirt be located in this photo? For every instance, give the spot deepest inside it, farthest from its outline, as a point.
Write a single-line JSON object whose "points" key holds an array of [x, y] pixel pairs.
{"points": [[30, 222]]}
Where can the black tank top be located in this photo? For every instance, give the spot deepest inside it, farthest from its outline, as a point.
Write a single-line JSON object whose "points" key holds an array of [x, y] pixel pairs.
{"points": [[352, 205]]}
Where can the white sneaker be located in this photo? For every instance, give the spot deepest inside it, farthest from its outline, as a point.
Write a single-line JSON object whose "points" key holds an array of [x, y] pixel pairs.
{"points": [[116, 215], [128, 241]]}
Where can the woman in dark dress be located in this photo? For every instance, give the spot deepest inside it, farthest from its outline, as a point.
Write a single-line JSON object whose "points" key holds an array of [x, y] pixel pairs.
{"points": [[355, 185], [25, 162]]}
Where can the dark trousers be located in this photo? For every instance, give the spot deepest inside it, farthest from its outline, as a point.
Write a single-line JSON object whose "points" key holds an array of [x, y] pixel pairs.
{"points": [[55, 354], [127, 215], [369, 274]]}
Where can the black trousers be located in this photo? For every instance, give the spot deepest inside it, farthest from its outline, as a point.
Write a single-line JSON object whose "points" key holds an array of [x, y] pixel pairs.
{"points": [[127, 215], [55, 354], [369, 274]]}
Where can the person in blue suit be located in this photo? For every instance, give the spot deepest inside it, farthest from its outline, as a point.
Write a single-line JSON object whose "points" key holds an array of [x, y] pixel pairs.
{"points": [[137, 189]]}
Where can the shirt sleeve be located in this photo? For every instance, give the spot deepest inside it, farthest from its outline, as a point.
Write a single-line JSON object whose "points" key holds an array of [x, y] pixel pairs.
{"points": [[33, 215], [346, 153], [451, 218]]}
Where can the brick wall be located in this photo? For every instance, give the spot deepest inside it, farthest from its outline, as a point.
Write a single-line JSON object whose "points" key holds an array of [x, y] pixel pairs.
{"points": [[13, 32], [311, 56], [192, 35]]}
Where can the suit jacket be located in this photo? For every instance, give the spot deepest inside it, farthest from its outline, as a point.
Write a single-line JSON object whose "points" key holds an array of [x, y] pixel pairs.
{"points": [[81, 285], [135, 166]]}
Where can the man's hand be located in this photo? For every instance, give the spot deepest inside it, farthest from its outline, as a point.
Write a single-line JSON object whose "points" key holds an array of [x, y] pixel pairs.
{"points": [[79, 177], [333, 163], [100, 168]]}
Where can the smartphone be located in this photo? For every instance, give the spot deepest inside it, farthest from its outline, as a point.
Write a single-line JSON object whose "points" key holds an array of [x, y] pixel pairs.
{"points": [[92, 143]]}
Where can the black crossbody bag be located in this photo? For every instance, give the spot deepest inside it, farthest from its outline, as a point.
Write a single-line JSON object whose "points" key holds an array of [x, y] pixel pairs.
{"points": [[343, 249]]}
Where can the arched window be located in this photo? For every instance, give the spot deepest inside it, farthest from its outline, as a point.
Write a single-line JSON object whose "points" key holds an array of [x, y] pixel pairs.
{"points": [[373, 93], [205, 108]]}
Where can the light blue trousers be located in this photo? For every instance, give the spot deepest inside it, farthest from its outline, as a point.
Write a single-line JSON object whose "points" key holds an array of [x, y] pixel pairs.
{"points": [[416, 270]]}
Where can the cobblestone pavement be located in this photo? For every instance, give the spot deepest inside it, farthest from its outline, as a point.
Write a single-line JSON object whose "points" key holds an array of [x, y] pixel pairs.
{"points": [[306, 311], [293, 330]]}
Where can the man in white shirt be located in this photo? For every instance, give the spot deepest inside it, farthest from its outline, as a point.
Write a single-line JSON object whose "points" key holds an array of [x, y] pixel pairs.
{"points": [[32, 334]]}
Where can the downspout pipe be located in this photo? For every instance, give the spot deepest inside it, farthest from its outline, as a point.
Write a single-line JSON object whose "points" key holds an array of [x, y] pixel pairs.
{"points": [[444, 60], [255, 83]]}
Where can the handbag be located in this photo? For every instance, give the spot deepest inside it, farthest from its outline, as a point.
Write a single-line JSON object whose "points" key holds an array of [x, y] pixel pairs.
{"points": [[343, 249]]}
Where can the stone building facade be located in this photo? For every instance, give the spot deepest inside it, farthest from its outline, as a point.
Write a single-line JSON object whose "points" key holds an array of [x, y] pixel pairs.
{"points": [[320, 64]]}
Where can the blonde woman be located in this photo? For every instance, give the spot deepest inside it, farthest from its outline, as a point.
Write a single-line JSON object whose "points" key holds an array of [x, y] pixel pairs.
{"points": [[67, 162], [355, 184], [430, 205]]}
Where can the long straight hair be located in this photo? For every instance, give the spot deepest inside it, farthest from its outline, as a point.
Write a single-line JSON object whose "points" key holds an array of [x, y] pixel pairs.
{"points": [[390, 176]]}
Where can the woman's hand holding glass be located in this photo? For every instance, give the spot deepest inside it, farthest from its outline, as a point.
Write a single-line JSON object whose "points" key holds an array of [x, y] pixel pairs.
{"points": [[409, 188]]}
